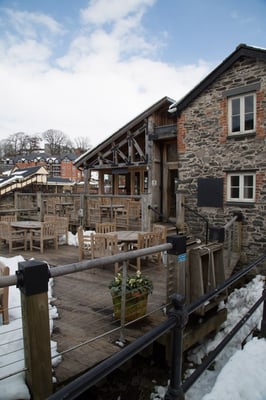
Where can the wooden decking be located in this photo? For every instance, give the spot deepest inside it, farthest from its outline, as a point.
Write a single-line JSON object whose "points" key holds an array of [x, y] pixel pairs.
{"points": [[85, 312], [85, 331]]}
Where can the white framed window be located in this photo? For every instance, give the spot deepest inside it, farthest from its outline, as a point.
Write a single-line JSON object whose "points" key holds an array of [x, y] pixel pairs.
{"points": [[241, 187], [242, 114]]}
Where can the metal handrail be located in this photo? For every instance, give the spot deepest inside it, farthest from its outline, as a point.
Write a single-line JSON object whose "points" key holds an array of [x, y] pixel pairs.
{"points": [[202, 217], [176, 322], [161, 216]]}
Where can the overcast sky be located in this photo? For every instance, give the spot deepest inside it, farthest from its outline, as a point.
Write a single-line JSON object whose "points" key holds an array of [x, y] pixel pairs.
{"points": [[89, 67]]}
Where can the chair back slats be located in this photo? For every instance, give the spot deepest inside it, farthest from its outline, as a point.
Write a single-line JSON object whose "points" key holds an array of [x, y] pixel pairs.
{"points": [[162, 230], [103, 245], [146, 239], [84, 243], [16, 239], [62, 225], [46, 233], [134, 215], [105, 227], [8, 218]]}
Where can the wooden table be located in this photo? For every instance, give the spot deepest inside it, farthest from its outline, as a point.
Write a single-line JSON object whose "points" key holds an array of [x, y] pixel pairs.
{"points": [[110, 208], [26, 224], [127, 237]]}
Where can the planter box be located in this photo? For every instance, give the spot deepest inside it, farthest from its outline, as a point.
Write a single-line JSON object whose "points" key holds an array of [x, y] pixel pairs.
{"points": [[136, 306]]}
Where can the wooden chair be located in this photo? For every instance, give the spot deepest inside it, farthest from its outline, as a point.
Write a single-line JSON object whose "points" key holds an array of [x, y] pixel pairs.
{"points": [[121, 218], [62, 224], [134, 215], [84, 243], [103, 245], [105, 227], [94, 213], [4, 271], [146, 239], [46, 233], [16, 239], [162, 230]]}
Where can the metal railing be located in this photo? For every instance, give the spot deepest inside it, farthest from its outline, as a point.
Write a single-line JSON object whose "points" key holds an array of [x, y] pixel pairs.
{"points": [[177, 319]]}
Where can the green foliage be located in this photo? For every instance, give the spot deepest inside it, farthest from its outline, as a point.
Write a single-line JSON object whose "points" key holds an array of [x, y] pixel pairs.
{"points": [[134, 283]]}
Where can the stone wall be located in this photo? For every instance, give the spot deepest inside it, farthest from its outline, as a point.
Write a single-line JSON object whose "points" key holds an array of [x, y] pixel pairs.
{"points": [[205, 151]]}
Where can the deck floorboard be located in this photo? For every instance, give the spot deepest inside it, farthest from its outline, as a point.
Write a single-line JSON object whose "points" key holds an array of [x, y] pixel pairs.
{"points": [[85, 311]]}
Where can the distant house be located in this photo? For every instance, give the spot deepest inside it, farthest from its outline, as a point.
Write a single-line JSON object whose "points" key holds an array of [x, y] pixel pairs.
{"points": [[221, 146], [19, 179], [57, 166]]}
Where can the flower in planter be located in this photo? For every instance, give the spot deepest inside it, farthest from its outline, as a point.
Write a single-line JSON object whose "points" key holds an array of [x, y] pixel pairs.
{"points": [[138, 287], [134, 283]]}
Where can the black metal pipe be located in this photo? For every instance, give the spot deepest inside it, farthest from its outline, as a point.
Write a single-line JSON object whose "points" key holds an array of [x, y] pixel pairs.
{"points": [[175, 391], [213, 354], [263, 322], [87, 380]]}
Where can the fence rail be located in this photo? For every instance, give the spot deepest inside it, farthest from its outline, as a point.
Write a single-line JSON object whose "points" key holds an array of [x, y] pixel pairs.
{"points": [[36, 328], [176, 322]]}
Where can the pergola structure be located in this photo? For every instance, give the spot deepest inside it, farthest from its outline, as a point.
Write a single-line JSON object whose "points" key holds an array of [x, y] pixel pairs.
{"points": [[137, 161]]}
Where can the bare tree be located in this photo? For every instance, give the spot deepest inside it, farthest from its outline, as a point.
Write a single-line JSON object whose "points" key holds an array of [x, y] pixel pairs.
{"points": [[33, 143], [82, 144], [19, 143], [57, 141]]}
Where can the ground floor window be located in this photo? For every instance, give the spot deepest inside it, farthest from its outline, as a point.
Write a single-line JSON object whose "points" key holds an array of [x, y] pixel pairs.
{"points": [[241, 187]]}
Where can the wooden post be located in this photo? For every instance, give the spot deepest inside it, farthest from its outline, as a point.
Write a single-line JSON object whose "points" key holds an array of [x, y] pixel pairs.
{"points": [[33, 279], [40, 206], [176, 267]]}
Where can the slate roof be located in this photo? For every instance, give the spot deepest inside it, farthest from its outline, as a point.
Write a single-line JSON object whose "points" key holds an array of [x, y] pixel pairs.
{"points": [[241, 50], [19, 175]]}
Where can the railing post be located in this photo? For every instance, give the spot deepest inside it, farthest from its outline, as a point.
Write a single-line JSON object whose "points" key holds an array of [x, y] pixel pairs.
{"points": [[175, 391], [32, 280], [263, 322], [176, 266], [123, 301]]}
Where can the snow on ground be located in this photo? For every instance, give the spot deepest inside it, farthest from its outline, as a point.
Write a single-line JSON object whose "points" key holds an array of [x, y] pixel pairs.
{"points": [[238, 374]]}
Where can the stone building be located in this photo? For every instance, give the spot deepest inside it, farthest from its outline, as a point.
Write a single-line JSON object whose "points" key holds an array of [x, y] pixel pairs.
{"points": [[221, 146], [200, 159]]}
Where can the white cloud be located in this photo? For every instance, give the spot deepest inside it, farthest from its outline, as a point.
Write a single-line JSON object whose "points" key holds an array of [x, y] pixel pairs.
{"points": [[27, 24], [104, 79], [104, 11]]}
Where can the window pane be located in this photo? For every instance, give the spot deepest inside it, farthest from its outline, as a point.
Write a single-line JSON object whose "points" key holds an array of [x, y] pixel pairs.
{"points": [[235, 180], [235, 115], [235, 106], [248, 187], [249, 122], [249, 113], [248, 193], [249, 104], [234, 187], [234, 193], [236, 124]]}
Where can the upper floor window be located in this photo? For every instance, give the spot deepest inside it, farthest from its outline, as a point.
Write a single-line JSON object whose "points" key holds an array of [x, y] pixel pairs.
{"points": [[242, 114], [241, 187]]}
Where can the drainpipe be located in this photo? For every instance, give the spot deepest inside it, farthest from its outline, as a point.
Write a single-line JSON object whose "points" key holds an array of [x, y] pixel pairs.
{"points": [[161, 182]]}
